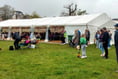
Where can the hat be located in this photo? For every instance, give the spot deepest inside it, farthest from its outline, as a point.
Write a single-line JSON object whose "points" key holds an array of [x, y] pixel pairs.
{"points": [[116, 25]]}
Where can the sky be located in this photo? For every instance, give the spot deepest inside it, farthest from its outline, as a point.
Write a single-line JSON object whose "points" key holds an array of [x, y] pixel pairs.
{"points": [[51, 8]]}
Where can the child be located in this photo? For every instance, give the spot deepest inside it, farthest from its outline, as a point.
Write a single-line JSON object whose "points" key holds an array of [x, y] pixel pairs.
{"points": [[83, 45]]}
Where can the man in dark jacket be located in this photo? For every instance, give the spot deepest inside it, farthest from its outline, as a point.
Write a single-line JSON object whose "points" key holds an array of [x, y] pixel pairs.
{"points": [[87, 34], [17, 39], [105, 42], [116, 41]]}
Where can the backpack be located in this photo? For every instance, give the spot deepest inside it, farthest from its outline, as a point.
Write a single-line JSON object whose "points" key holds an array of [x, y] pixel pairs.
{"points": [[11, 48]]}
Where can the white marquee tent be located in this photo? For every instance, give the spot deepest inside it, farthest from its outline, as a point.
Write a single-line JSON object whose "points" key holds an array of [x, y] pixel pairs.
{"points": [[92, 21]]}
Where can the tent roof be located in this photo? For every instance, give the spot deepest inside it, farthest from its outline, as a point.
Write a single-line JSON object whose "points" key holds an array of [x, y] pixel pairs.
{"points": [[14, 22], [92, 19], [68, 20]]}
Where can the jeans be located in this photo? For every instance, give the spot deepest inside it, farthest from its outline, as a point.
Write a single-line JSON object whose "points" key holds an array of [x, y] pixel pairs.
{"points": [[101, 47], [97, 44], [83, 48], [109, 43]]}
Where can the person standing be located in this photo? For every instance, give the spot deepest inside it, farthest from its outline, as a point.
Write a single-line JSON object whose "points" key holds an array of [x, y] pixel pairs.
{"points": [[116, 41], [83, 46], [105, 40], [76, 39], [101, 42], [87, 34], [17, 39], [110, 38], [63, 36], [97, 35]]}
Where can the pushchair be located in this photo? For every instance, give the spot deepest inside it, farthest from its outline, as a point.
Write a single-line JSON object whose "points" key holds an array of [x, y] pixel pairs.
{"points": [[71, 43]]}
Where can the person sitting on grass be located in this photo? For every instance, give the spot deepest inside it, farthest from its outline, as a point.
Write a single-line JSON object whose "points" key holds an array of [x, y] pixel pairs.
{"points": [[26, 42], [83, 45]]}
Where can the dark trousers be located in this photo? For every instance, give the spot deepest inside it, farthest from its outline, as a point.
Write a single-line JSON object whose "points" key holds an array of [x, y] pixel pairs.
{"points": [[117, 53], [16, 44], [63, 39], [105, 46], [87, 40]]}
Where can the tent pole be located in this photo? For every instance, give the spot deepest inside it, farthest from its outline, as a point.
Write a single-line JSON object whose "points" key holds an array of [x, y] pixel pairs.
{"points": [[20, 32], [9, 33], [86, 26], [46, 36]]}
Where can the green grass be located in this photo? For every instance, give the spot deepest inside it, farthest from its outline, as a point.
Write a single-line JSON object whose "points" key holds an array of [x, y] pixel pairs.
{"points": [[54, 61]]}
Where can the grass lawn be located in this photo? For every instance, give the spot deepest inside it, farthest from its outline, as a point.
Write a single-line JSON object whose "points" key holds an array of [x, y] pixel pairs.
{"points": [[54, 61]]}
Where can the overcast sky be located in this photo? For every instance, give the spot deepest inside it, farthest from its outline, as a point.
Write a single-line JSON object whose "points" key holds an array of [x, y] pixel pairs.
{"points": [[55, 7]]}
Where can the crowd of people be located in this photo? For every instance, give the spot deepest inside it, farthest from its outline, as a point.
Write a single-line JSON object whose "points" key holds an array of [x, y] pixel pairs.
{"points": [[102, 41], [79, 40], [26, 36], [103, 38], [24, 39], [4, 35], [51, 35]]}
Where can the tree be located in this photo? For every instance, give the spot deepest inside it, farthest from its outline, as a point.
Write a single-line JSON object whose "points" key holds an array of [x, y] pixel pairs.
{"points": [[81, 12], [72, 10], [6, 12], [27, 16], [35, 15]]}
